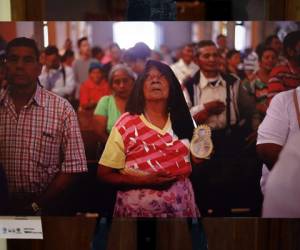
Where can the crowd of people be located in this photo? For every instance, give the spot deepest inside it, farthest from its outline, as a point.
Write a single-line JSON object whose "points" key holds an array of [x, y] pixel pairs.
{"points": [[141, 108]]}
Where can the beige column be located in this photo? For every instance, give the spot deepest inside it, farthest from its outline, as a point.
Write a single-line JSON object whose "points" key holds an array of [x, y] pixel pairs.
{"points": [[3, 244], [5, 11]]}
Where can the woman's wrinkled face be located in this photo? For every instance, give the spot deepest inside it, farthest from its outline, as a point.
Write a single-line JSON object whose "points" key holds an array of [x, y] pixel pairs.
{"points": [[156, 86], [122, 84]]}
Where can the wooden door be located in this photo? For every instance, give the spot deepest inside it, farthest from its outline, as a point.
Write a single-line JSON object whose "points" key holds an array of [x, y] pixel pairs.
{"points": [[27, 10]]}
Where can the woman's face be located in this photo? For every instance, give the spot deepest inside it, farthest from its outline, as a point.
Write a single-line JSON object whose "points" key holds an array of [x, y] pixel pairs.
{"points": [[156, 86], [122, 84], [96, 76]]}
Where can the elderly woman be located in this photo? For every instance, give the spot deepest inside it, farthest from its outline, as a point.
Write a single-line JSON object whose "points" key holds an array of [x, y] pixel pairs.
{"points": [[110, 108], [147, 154], [156, 10]]}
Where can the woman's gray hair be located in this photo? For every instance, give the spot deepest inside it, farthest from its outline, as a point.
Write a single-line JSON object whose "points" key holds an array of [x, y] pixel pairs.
{"points": [[123, 67]]}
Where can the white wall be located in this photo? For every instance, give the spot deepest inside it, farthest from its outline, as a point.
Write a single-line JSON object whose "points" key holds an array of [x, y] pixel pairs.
{"points": [[174, 34], [5, 14], [25, 29]]}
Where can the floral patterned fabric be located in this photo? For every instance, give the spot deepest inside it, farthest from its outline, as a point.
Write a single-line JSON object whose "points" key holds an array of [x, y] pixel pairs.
{"points": [[177, 201], [151, 150]]}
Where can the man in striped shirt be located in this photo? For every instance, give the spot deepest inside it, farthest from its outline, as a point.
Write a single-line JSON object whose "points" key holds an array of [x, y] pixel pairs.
{"points": [[41, 148], [286, 76]]}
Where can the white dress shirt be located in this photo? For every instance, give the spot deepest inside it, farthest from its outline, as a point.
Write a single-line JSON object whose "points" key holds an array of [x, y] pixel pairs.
{"points": [[54, 81], [183, 71], [204, 92]]}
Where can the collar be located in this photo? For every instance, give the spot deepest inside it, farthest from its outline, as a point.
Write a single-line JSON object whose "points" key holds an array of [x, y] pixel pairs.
{"points": [[3, 94], [165, 129], [181, 63], [37, 97], [204, 81]]}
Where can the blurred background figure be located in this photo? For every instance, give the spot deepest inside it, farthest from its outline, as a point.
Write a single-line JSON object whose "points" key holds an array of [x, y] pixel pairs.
{"points": [[55, 76], [221, 43], [137, 56], [68, 58], [185, 68], [95, 87], [234, 66], [82, 64], [98, 53], [68, 45], [115, 57]]}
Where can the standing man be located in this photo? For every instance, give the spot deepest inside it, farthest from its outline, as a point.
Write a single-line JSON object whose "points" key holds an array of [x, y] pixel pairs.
{"points": [[222, 45], [82, 64], [185, 68], [55, 76], [151, 10], [219, 101], [41, 148]]}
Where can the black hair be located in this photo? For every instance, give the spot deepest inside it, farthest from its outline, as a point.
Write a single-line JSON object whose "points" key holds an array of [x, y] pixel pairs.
{"points": [[204, 43], [221, 36], [290, 41], [182, 123], [82, 39], [269, 39], [51, 50], [260, 50], [140, 51], [231, 53], [96, 50], [23, 42], [68, 53]]}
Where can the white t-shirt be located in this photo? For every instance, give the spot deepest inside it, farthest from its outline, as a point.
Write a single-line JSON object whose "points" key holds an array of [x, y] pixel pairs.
{"points": [[279, 124], [282, 190]]}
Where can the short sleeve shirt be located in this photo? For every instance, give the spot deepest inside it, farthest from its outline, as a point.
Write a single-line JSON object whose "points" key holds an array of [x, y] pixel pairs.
{"points": [[107, 107]]}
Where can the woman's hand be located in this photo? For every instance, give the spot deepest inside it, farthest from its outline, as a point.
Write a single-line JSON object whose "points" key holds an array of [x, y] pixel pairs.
{"points": [[157, 181]]}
